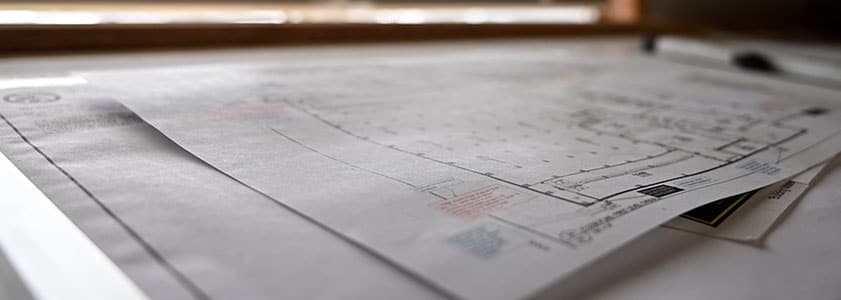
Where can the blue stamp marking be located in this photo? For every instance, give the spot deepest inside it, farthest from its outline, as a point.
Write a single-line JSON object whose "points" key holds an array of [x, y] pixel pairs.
{"points": [[479, 242]]}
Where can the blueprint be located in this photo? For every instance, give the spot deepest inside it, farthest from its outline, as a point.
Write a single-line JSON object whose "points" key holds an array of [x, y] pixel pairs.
{"points": [[748, 216], [11, 286], [175, 227], [488, 177]]}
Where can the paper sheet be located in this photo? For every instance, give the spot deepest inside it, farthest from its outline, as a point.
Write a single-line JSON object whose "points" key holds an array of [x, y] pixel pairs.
{"points": [[176, 227], [51, 255], [11, 286], [489, 177], [746, 217], [799, 259]]}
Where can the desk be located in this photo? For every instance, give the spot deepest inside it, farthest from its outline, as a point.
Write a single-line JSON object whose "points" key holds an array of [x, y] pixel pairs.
{"points": [[800, 259]]}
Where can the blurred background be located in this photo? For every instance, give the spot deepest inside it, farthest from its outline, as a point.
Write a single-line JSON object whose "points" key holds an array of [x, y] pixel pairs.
{"points": [[51, 25]]}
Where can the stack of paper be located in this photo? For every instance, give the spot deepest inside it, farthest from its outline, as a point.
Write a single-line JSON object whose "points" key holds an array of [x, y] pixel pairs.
{"points": [[475, 174]]}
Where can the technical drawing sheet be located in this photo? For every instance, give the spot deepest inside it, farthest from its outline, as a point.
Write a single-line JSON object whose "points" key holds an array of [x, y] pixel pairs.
{"points": [[488, 176], [748, 216], [177, 228]]}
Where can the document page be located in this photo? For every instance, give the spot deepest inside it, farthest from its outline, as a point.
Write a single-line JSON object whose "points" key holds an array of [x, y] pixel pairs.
{"points": [[175, 226], [52, 258], [748, 216], [11, 285], [488, 176]]}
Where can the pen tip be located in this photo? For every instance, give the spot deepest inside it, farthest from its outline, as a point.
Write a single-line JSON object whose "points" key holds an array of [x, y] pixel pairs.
{"points": [[754, 61], [648, 43]]}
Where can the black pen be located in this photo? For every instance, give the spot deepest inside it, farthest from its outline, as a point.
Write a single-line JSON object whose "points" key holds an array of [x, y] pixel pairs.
{"points": [[747, 55]]}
